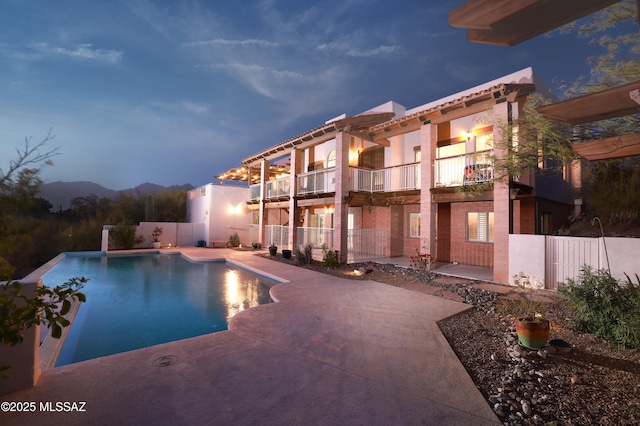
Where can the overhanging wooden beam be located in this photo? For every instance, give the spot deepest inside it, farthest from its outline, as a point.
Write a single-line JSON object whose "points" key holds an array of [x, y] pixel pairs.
{"points": [[610, 103], [481, 15], [507, 23], [608, 148]]}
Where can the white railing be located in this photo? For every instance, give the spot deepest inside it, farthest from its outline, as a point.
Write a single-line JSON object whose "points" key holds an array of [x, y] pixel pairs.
{"points": [[277, 235], [389, 179], [278, 188], [464, 169], [317, 182], [254, 192], [317, 237], [367, 244]]}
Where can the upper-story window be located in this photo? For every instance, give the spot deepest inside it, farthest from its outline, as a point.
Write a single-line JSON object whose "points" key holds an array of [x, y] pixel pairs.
{"points": [[331, 159]]}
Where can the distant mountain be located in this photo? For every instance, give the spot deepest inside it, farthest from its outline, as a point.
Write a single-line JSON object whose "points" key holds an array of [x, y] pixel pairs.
{"points": [[60, 194]]}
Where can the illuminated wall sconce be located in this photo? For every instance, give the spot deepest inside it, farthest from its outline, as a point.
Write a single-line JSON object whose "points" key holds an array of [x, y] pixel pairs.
{"points": [[235, 209], [328, 210]]}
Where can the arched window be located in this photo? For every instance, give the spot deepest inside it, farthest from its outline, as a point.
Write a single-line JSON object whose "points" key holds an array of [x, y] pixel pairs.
{"points": [[331, 158]]}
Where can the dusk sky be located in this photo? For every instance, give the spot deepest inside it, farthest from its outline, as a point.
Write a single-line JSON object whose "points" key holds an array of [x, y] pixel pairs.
{"points": [[175, 92]]}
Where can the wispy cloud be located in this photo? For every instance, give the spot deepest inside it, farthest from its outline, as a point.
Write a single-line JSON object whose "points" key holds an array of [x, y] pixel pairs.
{"points": [[233, 43], [81, 51], [348, 50]]}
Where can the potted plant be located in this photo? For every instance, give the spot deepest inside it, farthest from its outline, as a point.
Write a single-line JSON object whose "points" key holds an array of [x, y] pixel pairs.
{"points": [[273, 249], [531, 326], [156, 235]]}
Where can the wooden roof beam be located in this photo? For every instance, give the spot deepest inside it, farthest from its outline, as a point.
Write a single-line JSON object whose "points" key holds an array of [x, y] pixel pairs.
{"points": [[610, 103], [608, 148], [507, 23]]}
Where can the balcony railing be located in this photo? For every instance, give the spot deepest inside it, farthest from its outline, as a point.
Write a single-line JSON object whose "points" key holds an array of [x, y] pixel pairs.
{"points": [[317, 237], [389, 179], [317, 182], [254, 190], [274, 189], [278, 188], [464, 169]]}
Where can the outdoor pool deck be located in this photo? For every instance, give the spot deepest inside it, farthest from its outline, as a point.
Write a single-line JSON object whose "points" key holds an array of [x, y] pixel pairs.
{"points": [[331, 352]]}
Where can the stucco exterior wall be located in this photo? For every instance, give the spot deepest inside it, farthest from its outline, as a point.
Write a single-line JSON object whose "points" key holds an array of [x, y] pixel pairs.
{"points": [[222, 209]]}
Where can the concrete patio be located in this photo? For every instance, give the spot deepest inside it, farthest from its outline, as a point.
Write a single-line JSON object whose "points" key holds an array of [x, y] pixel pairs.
{"points": [[331, 351]]}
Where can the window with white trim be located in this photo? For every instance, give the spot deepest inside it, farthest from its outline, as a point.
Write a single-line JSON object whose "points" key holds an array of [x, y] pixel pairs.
{"points": [[331, 159], [480, 227], [414, 225]]}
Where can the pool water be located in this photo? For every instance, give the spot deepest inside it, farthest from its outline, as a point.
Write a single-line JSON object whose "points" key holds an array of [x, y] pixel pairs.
{"points": [[139, 301]]}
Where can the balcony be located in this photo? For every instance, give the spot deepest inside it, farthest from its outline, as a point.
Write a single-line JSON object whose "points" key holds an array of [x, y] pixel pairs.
{"points": [[464, 170], [389, 179], [278, 188], [317, 182]]}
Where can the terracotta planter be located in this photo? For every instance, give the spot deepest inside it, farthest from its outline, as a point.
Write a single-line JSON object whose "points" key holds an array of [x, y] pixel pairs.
{"points": [[533, 334]]}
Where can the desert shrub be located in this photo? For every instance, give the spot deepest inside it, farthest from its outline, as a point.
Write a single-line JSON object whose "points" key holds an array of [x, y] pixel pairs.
{"points": [[305, 256], [124, 235], [234, 240], [329, 257], [605, 306]]}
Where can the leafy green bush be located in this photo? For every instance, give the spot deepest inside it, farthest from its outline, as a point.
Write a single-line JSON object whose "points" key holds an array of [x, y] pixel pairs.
{"points": [[48, 305], [124, 235], [234, 240], [329, 258], [605, 306], [304, 257]]}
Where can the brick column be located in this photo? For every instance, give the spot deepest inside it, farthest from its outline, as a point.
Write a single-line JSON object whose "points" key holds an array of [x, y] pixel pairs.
{"points": [[501, 202], [428, 135], [294, 215], [264, 176], [341, 200]]}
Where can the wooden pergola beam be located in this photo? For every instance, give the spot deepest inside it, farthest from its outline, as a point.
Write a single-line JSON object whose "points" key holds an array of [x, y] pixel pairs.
{"points": [[609, 148], [507, 23], [610, 103]]}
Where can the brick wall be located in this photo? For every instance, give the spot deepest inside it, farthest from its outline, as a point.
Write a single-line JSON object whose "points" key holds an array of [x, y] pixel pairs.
{"points": [[462, 251], [527, 216], [443, 252]]}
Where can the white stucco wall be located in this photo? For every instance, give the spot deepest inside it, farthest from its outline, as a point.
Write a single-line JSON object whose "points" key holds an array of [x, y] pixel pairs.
{"points": [[527, 256], [222, 209]]}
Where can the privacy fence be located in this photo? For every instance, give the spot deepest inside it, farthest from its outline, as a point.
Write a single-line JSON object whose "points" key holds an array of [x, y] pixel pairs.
{"points": [[552, 259]]}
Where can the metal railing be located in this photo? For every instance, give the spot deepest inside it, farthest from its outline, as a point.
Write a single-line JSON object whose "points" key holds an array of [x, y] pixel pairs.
{"points": [[317, 237], [277, 235], [464, 169], [317, 182], [254, 192], [389, 179], [278, 188], [367, 244]]}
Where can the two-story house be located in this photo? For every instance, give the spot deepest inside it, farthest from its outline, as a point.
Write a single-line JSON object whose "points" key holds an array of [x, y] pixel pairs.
{"points": [[387, 182]]}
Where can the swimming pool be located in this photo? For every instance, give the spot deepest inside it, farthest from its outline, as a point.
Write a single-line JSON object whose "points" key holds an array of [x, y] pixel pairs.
{"points": [[144, 300]]}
